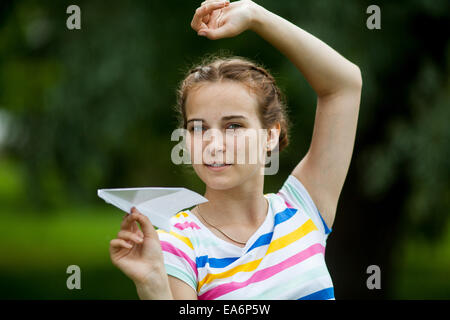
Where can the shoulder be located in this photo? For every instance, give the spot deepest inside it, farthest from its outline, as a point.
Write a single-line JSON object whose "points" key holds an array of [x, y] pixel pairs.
{"points": [[178, 249], [182, 228], [295, 195]]}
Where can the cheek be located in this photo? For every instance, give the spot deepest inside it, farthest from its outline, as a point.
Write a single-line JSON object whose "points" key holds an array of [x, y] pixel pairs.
{"points": [[248, 148], [194, 147]]}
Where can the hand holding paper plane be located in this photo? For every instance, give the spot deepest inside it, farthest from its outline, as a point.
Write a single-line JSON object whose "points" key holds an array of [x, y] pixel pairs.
{"points": [[158, 204]]}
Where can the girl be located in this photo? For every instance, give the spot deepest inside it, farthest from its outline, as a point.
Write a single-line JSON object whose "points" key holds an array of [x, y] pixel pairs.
{"points": [[243, 244]]}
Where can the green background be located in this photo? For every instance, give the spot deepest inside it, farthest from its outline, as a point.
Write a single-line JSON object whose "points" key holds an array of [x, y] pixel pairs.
{"points": [[87, 109]]}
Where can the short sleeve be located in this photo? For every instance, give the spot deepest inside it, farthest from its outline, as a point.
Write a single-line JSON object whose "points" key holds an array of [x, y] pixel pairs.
{"points": [[179, 256], [296, 195]]}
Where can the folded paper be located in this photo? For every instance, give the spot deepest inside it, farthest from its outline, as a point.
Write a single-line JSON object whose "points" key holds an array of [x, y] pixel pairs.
{"points": [[158, 204]]}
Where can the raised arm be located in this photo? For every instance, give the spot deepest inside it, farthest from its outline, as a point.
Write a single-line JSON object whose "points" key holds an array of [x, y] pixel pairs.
{"points": [[336, 81]]}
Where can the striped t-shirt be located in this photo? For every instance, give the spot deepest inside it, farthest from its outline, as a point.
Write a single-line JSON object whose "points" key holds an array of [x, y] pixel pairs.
{"points": [[284, 259]]}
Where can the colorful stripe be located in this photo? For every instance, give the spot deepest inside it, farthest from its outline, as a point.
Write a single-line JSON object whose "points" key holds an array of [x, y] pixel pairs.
{"points": [[297, 196], [285, 261], [284, 215], [295, 235], [185, 225], [310, 208], [327, 230], [182, 213], [198, 241], [279, 218], [168, 247], [275, 245], [213, 262], [263, 274], [285, 202], [182, 238], [294, 283], [180, 274], [324, 294], [261, 241], [246, 267]]}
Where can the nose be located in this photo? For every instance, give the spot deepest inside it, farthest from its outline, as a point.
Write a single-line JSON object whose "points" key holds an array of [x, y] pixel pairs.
{"points": [[215, 144]]}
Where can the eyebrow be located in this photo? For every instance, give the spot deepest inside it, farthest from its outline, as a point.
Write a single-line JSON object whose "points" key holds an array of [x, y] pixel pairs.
{"points": [[226, 118]]}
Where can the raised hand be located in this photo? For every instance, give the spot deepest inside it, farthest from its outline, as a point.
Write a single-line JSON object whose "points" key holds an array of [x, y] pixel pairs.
{"points": [[222, 19]]}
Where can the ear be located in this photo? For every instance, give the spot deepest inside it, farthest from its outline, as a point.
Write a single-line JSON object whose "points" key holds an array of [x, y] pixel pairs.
{"points": [[273, 136]]}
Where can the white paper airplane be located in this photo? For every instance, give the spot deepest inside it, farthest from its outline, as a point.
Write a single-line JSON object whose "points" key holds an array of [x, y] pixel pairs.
{"points": [[158, 204]]}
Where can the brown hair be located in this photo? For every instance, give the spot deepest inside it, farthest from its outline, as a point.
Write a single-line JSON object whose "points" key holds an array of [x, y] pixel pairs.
{"points": [[215, 68]]}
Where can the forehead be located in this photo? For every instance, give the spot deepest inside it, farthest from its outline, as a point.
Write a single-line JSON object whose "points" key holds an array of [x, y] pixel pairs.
{"points": [[220, 98]]}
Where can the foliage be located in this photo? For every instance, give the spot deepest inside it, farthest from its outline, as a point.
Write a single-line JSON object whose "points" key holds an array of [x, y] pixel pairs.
{"points": [[88, 109]]}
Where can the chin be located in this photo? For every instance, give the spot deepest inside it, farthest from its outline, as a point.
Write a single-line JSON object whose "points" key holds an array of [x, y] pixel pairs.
{"points": [[218, 180], [227, 178]]}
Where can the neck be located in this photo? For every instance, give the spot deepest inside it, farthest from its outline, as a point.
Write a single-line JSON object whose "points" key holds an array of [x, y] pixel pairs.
{"points": [[242, 205]]}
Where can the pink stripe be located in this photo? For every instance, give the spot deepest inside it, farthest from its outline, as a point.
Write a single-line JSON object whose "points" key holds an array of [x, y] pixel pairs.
{"points": [[287, 204], [168, 247], [264, 273], [186, 224]]}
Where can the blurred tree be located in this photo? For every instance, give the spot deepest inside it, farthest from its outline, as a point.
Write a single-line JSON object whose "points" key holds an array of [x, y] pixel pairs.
{"points": [[93, 108]]}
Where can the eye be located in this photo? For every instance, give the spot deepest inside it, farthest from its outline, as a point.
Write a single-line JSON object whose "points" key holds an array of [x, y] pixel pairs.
{"points": [[234, 126], [196, 129]]}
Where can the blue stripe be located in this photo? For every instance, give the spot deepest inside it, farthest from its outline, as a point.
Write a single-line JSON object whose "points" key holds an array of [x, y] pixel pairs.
{"points": [[280, 217], [213, 262], [284, 215], [324, 294], [327, 230], [261, 241]]}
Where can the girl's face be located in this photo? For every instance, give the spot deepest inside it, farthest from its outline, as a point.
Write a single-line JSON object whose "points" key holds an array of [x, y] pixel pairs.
{"points": [[224, 129]]}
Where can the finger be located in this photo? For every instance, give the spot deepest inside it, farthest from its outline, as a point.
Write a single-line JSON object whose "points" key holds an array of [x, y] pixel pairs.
{"points": [[206, 18], [135, 229], [146, 226], [209, 1], [139, 232], [130, 236], [127, 223], [119, 243], [204, 10], [213, 34]]}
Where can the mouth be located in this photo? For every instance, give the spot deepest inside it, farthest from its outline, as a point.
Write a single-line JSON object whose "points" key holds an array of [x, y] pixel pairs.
{"points": [[217, 166]]}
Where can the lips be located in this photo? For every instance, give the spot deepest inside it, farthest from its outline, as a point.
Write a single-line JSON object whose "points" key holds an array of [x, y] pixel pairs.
{"points": [[217, 166]]}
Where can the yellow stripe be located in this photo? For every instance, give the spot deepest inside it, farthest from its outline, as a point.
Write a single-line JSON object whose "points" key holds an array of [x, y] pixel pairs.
{"points": [[246, 267], [275, 245], [282, 242], [184, 239], [181, 213]]}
